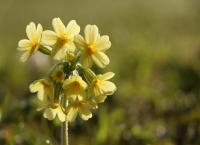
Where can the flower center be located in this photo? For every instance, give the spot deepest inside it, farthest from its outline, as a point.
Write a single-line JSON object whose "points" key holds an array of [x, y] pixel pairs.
{"points": [[90, 49], [62, 40], [76, 85], [97, 82]]}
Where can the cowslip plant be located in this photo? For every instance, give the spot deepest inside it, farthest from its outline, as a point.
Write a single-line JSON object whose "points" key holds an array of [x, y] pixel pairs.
{"points": [[71, 88]]}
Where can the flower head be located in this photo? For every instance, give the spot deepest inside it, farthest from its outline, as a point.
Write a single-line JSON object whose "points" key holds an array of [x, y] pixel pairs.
{"points": [[93, 47], [101, 88], [31, 44], [43, 87], [79, 107], [61, 39], [74, 87]]}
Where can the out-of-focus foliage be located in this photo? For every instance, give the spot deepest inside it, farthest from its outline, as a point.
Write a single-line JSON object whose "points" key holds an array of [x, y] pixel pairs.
{"points": [[156, 57]]}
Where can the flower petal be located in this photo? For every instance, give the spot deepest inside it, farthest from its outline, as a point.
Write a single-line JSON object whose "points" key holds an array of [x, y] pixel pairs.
{"points": [[25, 56], [49, 113], [60, 114], [85, 113], [49, 38], [79, 42], [100, 59], [58, 26], [24, 44], [72, 28], [38, 33], [71, 115], [91, 34], [108, 87], [100, 99], [86, 61], [31, 30], [103, 43], [107, 76]]}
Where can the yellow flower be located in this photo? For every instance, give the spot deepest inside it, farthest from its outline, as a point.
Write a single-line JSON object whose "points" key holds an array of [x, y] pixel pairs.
{"points": [[58, 75], [100, 88], [51, 109], [74, 88], [43, 87], [62, 39], [78, 107], [93, 47], [31, 44]]}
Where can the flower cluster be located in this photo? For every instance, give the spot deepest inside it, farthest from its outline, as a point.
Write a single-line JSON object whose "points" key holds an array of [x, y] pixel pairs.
{"points": [[71, 88]]}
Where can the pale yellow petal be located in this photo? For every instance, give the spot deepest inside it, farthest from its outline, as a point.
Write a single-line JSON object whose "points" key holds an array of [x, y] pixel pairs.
{"points": [[86, 61], [60, 114], [58, 26], [107, 76], [71, 115], [60, 54], [108, 87], [100, 99], [100, 59], [72, 29], [49, 113], [38, 33], [31, 30], [24, 44], [49, 38], [103, 43], [25, 56], [85, 113], [79, 42], [91, 34]]}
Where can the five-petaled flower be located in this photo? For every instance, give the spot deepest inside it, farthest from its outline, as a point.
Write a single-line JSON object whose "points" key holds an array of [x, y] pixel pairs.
{"points": [[100, 87], [31, 44], [93, 47], [62, 39]]}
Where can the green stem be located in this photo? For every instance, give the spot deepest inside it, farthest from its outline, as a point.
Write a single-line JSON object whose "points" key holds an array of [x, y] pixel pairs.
{"points": [[64, 127]]}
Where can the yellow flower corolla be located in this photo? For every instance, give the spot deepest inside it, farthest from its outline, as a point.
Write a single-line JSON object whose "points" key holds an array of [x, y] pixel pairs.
{"points": [[61, 39], [58, 75], [31, 44], [93, 47], [46, 102], [43, 87], [74, 88], [100, 88], [79, 107]]}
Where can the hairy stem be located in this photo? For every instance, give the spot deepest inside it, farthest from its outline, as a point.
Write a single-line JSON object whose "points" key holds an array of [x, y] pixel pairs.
{"points": [[64, 127]]}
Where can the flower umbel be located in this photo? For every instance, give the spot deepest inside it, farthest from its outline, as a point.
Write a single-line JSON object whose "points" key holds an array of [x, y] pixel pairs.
{"points": [[71, 87]]}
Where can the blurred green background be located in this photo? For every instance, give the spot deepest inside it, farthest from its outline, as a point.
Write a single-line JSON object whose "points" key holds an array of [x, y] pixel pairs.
{"points": [[155, 54]]}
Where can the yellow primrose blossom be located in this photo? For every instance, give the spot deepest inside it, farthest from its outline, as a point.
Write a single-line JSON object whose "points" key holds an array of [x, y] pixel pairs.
{"points": [[74, 87], [58, 75], [51, 109], [31, 44], [78, 107], [62, 39], [43, 87], [100, 87], [93, 47]]}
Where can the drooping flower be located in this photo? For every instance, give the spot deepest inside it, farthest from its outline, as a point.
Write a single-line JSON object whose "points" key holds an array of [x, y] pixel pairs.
{"points": [[62, 39], [100, 88], [79, 107], [43, 87], [74, 88], [30, 45], [93, 47]]}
